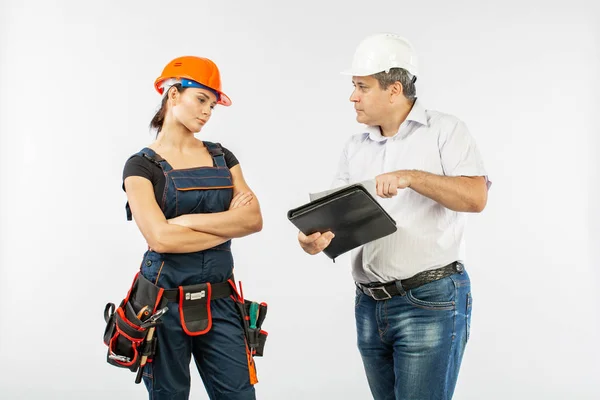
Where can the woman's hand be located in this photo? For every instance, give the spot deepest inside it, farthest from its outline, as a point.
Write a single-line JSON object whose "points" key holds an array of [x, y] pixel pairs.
{"points": [[240, 200], [181, 220]]}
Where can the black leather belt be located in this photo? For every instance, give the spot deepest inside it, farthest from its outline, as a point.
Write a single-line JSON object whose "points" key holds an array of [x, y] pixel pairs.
{"points": [[385, 291], [217, 291]]}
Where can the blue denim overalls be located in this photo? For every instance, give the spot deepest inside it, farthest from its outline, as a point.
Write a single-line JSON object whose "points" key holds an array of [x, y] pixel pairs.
{"points": [[220, 354]]}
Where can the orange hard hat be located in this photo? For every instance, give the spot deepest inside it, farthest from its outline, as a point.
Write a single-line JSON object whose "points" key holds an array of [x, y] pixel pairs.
{"points": [[200, 70]]}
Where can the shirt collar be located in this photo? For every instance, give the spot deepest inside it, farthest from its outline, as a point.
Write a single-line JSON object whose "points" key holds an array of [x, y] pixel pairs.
{"points": [[416, 114]]}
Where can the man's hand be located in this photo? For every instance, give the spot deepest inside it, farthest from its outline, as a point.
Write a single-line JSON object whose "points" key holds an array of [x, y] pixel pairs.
{"points": [[240, 200], [316, 242], [388, 184]]}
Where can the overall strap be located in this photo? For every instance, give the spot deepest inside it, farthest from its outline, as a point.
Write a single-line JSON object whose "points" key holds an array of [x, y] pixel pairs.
{"points": [[216, 151], [149, 154]]}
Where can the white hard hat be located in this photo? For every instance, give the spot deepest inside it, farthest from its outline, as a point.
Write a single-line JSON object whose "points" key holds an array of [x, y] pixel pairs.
{"points": [[382, 51]]}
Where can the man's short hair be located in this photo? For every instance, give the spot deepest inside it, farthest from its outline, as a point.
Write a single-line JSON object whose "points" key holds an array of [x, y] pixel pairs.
{"points": [[401, 75]]}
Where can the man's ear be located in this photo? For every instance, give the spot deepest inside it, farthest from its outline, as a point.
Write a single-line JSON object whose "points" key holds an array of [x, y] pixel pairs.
{"points": [[396, 91]]}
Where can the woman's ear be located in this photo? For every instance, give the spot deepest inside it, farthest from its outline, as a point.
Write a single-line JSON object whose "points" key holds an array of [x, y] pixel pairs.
{"points": [[173, 95]]}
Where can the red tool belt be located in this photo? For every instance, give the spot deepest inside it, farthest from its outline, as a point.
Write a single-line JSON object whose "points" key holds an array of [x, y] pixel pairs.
{"points": [[194, 304], [128, 327], [256, 337]]}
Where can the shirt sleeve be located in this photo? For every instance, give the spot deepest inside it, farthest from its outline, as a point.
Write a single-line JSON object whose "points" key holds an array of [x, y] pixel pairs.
{"points": [[459, 153], [230, 159], [137, 166], [342, 176]]}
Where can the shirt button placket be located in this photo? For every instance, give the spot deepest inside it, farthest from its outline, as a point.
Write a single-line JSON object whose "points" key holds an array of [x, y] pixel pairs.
{"points": [[388, 158]]}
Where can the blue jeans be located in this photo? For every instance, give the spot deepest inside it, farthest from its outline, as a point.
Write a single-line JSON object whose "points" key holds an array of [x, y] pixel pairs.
{"points": [[412, 345]]}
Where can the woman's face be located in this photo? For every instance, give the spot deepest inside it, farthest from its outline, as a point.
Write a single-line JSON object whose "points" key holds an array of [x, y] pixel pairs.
{"points": [[193, 107]]}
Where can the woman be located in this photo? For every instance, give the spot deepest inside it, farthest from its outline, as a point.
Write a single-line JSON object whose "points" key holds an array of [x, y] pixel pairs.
{"points": [[189, 199]]}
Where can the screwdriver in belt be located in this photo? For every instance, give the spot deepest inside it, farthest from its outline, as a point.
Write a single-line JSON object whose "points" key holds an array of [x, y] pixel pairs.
{"points": [[253, 319], [253, 314]]}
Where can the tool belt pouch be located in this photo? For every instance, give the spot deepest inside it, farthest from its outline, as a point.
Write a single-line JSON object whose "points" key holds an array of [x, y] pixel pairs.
{"points": [[124, 334], [194, 308], [256, 337]]}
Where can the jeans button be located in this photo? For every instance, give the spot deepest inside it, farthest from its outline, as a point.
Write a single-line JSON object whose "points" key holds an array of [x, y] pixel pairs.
{"points": [[148, 263]]}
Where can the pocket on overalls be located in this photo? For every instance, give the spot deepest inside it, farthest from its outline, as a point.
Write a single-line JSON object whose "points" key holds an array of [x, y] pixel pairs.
{"points": [[197, 194], [194, 308], [151, 265]]}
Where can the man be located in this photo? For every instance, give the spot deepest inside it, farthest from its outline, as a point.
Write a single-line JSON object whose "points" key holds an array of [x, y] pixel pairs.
{"points": [[413, 296]]}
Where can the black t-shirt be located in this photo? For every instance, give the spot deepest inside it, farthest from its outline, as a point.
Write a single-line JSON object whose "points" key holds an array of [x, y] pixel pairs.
{"points": [[141, 166]]}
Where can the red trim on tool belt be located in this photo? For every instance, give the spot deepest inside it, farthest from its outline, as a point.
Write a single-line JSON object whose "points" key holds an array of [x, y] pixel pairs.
{"points": [[181, 317], [133, 340], [239, 294], [158, 299], [135, 352], [128, 322]]}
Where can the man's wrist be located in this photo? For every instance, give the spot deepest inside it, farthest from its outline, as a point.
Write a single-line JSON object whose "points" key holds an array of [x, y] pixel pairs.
{"points": [[416, 177], [413, 177]]}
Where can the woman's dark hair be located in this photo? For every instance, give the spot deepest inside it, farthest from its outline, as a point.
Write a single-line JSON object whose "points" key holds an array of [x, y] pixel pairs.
{"points": [[159, 117]]}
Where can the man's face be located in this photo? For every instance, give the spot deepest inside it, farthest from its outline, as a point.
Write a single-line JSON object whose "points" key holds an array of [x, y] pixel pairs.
{"points": [[371, 103]]}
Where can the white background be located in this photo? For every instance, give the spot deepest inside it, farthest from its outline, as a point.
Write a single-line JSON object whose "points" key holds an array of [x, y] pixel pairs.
{"points": [[76, 98]]}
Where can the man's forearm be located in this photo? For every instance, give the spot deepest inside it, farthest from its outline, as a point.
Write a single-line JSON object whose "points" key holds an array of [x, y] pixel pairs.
{"points": [[233, 223], [457, 193]]}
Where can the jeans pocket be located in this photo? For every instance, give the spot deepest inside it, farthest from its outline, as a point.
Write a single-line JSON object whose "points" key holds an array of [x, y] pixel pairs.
{"points": [[357, 295], [436, 295]]}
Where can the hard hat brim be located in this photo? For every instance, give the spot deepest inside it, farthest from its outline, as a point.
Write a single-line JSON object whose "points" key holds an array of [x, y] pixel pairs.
{"points": [[224, 100], [359, 72], [365, 72]]}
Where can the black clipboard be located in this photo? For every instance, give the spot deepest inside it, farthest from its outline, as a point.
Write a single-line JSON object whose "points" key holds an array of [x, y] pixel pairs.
{"points": [[351, 213]]}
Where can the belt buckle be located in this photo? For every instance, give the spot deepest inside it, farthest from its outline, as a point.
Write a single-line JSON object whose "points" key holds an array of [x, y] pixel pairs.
{"points": [[375, 291]]}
